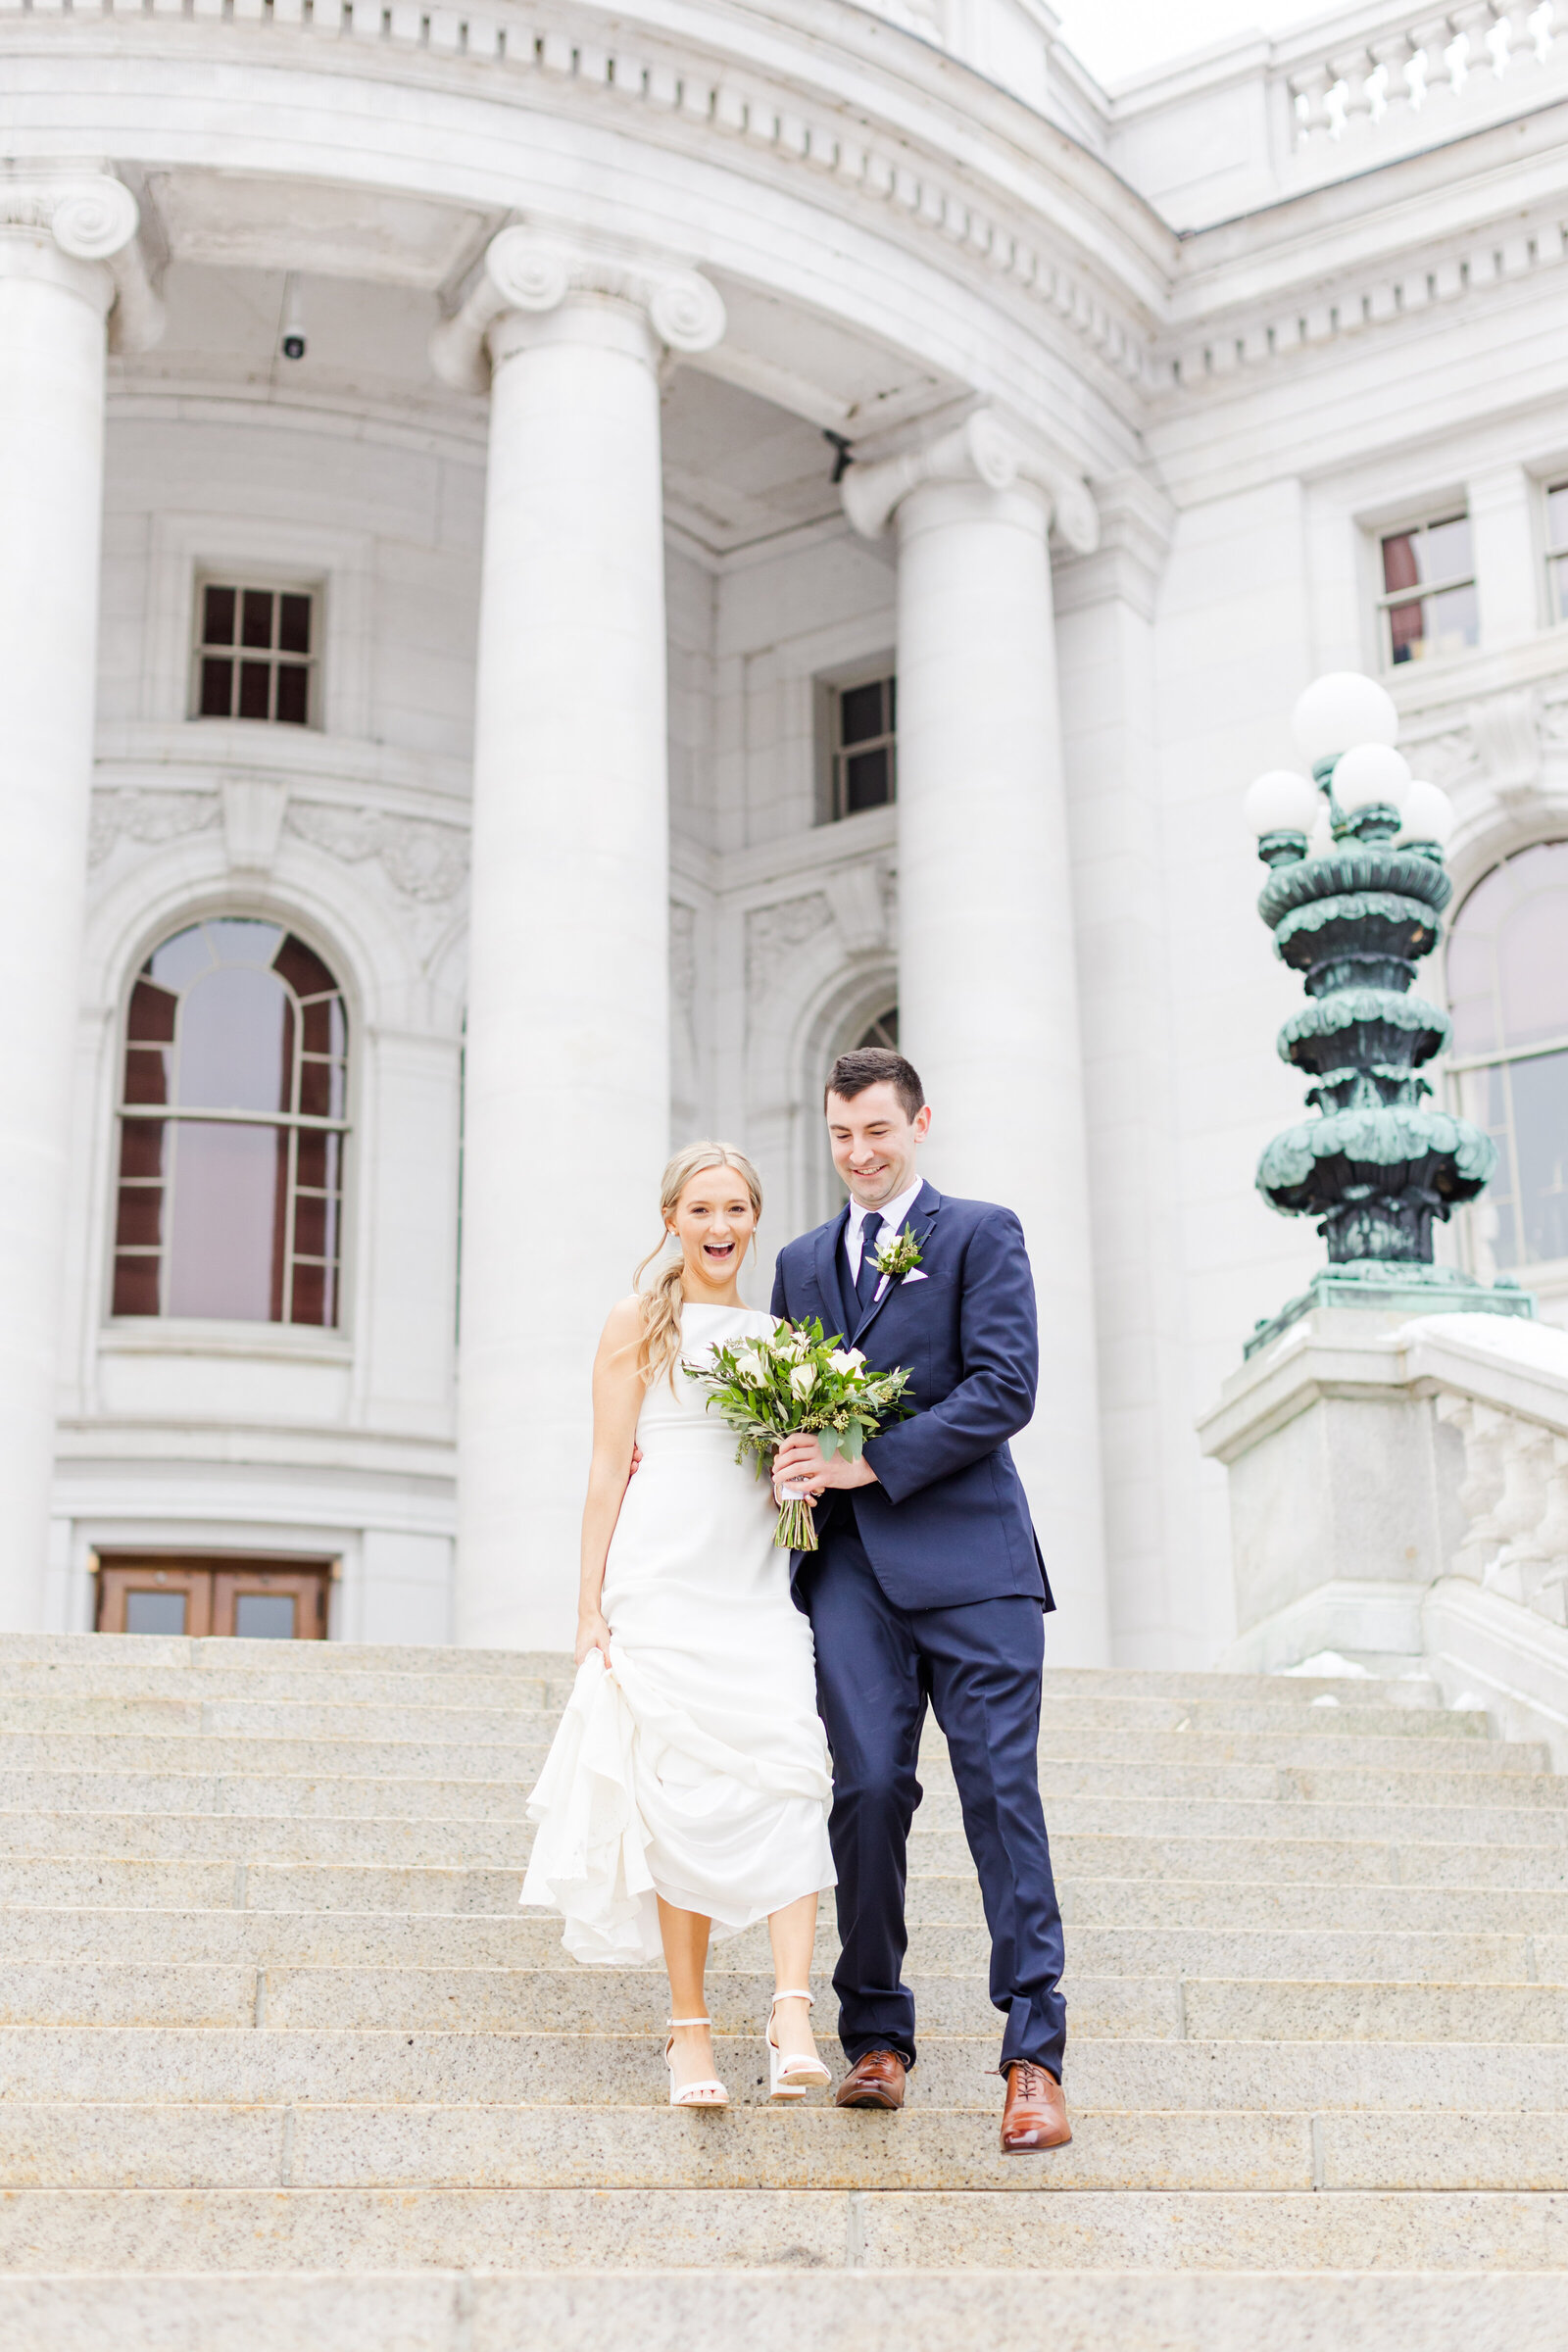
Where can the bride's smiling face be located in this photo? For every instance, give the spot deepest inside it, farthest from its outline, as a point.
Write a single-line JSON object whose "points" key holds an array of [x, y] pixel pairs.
{"points": [[713, 1223]]}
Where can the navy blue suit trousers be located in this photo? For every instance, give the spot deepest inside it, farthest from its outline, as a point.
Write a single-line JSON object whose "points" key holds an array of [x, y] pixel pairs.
{"points": [[977, 1665]]}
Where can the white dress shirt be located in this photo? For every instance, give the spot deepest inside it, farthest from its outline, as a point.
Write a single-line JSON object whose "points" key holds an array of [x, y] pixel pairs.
{"points": [[893, 1217]]}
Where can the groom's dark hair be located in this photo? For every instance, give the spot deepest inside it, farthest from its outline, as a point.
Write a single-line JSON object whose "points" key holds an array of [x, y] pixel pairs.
{"points": [[871, 1066]]}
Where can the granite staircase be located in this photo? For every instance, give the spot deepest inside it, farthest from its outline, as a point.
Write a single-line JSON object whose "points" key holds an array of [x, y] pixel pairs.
{"points": [[282, 2063]]}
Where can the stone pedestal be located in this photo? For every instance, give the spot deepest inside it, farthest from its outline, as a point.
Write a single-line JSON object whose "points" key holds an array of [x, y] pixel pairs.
{"points": [[56, 240]]}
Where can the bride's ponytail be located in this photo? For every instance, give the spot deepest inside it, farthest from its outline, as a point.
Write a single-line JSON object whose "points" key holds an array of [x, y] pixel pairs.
{"points": [[660, 1302]]}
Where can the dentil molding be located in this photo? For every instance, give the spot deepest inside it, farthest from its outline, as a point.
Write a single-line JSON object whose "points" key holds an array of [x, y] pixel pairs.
{"points": [[524, 270], [92, 217], [984, 450]]}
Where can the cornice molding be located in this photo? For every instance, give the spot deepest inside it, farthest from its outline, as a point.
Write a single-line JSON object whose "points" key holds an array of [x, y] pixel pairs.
{"points": [[984, 450], [93, 219], [525, 271]]}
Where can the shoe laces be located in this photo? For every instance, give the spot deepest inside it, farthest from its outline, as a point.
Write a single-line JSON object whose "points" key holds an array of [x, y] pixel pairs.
{"points": [[1031, 2081]]}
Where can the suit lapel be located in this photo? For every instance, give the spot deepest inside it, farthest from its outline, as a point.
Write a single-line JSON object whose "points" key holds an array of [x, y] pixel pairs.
{"points": [[829, 1239], [919, 1221]]}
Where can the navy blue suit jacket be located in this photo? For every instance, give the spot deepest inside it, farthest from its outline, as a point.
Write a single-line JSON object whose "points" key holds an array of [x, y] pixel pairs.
{"points": [[946, 1522]]}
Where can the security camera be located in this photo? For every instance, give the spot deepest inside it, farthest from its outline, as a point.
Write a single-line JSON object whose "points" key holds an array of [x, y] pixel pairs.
{"points": [[291, 327]]}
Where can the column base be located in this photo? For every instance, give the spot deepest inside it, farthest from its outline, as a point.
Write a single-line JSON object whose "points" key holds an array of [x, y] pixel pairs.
{"points": [[1396, 1288]]}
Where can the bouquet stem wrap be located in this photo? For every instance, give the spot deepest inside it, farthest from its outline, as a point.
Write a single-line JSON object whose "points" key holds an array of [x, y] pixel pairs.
{"points": [[770, 1389]]}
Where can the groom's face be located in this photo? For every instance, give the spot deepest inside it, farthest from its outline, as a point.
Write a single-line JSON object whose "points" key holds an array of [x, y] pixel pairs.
{"points": [[874, 1142]]}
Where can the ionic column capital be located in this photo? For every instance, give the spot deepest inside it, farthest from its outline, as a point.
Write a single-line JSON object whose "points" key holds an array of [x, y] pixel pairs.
{"points": [[92, 218], [527, 271], [984, 450]]}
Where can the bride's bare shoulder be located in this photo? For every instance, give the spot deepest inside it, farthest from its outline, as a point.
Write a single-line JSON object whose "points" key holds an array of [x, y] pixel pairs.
{"points": [[625, 1321]]}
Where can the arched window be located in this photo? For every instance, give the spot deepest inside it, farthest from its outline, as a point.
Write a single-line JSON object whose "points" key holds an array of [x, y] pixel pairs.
{"points": [[1507, 970], [232, 1129], [883, 1030]]}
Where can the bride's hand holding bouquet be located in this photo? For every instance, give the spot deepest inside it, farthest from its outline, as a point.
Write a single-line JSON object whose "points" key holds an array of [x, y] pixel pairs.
{"points": [[798, 1381]]}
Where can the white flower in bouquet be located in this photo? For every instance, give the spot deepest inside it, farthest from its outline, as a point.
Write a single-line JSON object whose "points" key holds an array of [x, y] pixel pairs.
{"points": [[793, 1379]]}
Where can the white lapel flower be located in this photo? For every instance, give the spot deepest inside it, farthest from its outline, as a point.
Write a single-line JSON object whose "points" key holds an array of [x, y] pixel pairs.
{"points": [[896, 1254]]}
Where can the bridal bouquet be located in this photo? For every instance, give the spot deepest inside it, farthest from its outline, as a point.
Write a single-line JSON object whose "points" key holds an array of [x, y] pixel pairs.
{"points": [[768, 1389]]}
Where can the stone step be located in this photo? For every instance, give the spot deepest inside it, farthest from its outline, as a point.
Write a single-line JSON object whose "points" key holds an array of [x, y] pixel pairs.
{"points": [[474, 1797], [327, 1890], [753, 2146], [143, 1653], [847, 2309], [1168, 1827], [634, 2229], [381, 2065], [531, 1941], [575, 2000], [520, 1754]]}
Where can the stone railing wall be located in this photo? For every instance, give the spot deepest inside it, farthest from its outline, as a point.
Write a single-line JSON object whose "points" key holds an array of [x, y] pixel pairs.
{"points": [[1383, 69], [1514, 1495]]}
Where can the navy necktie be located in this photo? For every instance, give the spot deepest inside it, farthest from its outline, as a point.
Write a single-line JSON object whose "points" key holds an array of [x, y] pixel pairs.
{"points": [[869, 1277]]}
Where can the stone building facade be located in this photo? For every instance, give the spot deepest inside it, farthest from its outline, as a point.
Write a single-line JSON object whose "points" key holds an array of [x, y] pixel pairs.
{"points": [[632, 550]]}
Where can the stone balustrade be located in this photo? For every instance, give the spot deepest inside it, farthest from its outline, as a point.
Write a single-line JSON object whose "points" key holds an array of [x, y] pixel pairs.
{"points": [[1378, 68]]}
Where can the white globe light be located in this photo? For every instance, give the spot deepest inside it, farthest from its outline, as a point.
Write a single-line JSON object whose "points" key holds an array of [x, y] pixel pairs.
{"points": [[1428, 815], [1370, 772], [1282, 801], [1339, 710]]}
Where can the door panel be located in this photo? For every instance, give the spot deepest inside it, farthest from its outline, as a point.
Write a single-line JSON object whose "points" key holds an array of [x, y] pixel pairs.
{"points": [[255, 1600]]}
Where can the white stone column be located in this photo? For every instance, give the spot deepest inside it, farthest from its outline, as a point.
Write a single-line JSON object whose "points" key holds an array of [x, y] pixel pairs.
{"points": [[988, 997], [55, 237], [568, 1078]]}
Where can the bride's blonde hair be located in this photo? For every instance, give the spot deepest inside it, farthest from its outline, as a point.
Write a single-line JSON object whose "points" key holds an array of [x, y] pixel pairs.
{"points": [[660, 1302]]}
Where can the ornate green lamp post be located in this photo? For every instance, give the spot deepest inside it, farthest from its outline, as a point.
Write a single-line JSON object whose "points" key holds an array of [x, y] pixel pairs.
{"points": [[1355, 891]]}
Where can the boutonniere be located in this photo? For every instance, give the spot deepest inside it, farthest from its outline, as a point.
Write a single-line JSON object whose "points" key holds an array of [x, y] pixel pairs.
{"points": [[897, 1255]]}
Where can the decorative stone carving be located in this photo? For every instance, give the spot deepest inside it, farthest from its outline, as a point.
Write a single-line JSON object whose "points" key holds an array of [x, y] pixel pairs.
{"points": [[149, 817], [859, 908], [252, 820], [773, 933], [524, 270], [93, 217], [982, 449], [422, 860], [1515, 1498], [1508, 738], [1448, 759]]}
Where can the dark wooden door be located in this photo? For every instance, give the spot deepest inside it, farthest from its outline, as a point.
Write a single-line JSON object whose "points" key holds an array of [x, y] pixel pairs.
{"points": [[255, 1599]]}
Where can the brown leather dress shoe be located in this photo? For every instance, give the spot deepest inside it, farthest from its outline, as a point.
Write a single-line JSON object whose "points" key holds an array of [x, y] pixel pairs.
{"points": [[874, 2080], [1035, 2115]]}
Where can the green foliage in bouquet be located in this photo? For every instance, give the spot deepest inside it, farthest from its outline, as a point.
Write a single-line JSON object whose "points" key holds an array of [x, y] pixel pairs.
{"points": [[768, 1389]]}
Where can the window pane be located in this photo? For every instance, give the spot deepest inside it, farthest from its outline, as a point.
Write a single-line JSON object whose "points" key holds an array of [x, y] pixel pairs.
{"points": [[236, 940], [223, 1226], [1557, 515], [256, 624], [321, 1090], [155, 1612], [303, 970], [139, 1224], [316, 1225], [293, 694], [1445, 550], [315, 1294], [263, 1616], [1400, 569], [135, 1287], [294, 624], [1559, 588], [1539, 1090], [321, 1162], [147, 1073], [1532, 964], [1406, 633], [179, 959], [237, 1042], [865, 781], [217, 689], [255, 689], [860, 712], [1454, 621], [151, 1019], [218, 616], [884, 1031], [141, 1149]]}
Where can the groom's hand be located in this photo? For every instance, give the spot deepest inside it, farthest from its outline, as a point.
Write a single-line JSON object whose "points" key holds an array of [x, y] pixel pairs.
{"points": [[800, 1460]]}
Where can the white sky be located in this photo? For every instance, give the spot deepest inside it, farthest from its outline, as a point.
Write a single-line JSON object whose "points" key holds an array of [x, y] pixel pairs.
{"points": [[1115, 38]]}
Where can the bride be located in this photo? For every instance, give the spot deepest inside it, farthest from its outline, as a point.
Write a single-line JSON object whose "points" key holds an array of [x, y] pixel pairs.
{"points": [[687, 1787]]}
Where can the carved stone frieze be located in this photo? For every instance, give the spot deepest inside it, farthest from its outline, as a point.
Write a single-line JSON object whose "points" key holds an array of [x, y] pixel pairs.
{"points": [[130, 813], [422, 860], [774, 933]]}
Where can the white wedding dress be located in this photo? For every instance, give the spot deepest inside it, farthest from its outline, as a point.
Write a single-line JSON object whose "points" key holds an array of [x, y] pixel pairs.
{"points": [[695, 1765]]}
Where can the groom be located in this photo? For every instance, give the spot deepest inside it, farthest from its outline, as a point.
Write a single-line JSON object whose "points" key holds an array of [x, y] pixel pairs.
{"points": [[928, 1586]]}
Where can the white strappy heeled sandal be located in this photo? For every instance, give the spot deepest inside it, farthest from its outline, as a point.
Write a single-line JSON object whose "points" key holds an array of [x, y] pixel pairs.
{"points": [[709, 2092], [792, 2076]]}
